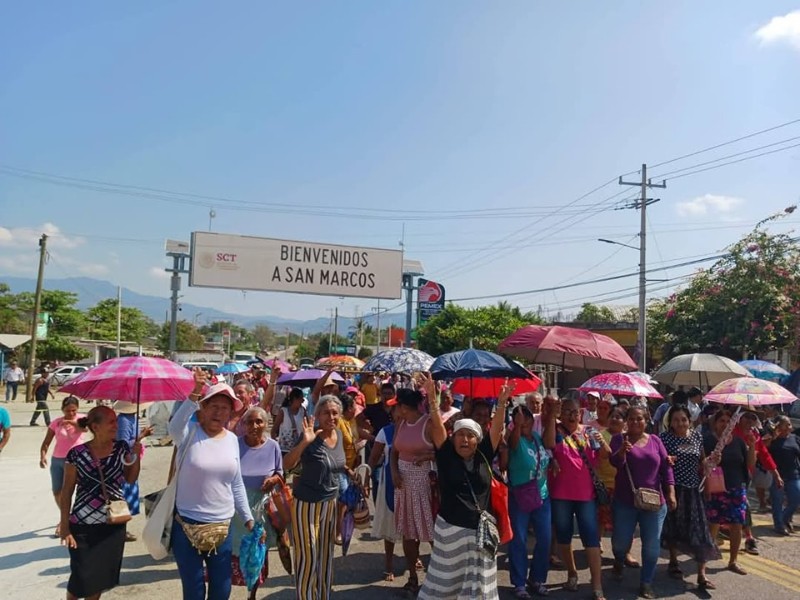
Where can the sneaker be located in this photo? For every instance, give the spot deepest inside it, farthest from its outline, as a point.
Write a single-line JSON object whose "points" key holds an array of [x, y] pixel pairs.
{"points": [[750, 547]]}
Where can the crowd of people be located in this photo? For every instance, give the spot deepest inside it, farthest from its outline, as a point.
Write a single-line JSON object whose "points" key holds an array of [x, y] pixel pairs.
{"points": [[681, 476]]}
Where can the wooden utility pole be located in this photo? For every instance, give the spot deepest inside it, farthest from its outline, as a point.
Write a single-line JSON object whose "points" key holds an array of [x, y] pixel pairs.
{"points": [[37, 305]]}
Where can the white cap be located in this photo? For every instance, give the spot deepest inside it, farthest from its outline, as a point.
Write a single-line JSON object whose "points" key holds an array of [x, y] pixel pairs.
{"points": [[223, 389]]}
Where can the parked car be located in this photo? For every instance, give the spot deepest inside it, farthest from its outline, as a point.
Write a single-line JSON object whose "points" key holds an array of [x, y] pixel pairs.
{"points": [[63, 374]]}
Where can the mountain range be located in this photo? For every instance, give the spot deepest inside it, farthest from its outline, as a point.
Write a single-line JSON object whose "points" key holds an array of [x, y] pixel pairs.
{"points": [[91, 291]]}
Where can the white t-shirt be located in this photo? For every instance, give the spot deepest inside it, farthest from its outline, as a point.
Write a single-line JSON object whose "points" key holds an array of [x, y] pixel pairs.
{"points": [[13, 375]]}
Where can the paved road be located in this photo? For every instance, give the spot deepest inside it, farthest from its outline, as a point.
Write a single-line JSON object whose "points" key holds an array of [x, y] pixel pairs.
{"points": [[34, 566]]}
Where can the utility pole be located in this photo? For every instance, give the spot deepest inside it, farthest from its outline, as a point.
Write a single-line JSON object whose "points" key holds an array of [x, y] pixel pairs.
{"points": [[335, 328], [119, 318], [179, 252], [642, 206], [378, 326], [330, 331], [37, 305]]}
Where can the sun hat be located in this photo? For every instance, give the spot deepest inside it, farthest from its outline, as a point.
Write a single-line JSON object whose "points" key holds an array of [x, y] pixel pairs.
{"points": [[469, 424], [352, 390], [223, 389], [123, 407], [593, 394]]}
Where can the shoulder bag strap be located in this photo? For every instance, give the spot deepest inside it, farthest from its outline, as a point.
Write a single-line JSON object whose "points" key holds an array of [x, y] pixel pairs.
{"points": [[630, 477], [100, 472]]}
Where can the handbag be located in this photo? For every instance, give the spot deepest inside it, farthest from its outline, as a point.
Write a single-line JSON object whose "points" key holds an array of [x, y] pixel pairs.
{"points": [[361, 514], [487, 536], [715, 481], [498, 499], [644, 498], [117, 511], [528, 496], [600, 490], [279, 506], [157, 533]]}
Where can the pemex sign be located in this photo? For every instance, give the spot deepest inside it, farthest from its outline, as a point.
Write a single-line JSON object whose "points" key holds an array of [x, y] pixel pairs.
{"points": [[430, 299], [266, 264]]}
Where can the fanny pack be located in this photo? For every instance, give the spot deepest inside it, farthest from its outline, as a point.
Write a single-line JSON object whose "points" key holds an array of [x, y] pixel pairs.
{"points": [[205, 537]]}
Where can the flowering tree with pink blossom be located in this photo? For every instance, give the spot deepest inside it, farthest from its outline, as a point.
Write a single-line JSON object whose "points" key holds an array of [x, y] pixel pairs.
{"points": [[745, 305]]}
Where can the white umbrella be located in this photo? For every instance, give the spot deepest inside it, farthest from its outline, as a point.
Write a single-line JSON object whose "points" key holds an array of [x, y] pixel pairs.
{"points": [[702, 370]]}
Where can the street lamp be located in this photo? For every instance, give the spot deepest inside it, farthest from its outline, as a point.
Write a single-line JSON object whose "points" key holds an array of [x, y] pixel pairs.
{"points": [[642, 326]]}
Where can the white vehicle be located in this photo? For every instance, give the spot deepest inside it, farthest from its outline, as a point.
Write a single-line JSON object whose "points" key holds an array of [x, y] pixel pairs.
{"points": [[243, 357], [63, 374], [208, 366]]}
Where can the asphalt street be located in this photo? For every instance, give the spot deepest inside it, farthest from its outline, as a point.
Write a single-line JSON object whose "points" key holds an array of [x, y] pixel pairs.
{"points": [[34, 566]]}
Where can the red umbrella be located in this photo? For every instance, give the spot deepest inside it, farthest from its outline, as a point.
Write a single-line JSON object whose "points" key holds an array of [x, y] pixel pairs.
{"points": [[478, 387], [568, 347]]}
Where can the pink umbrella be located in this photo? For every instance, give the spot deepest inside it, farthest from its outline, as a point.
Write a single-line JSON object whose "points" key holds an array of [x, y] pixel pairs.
{"points": [[749, 391], [568, 347], [274, 363], [135, 379], [479, 387], [621, 384]]}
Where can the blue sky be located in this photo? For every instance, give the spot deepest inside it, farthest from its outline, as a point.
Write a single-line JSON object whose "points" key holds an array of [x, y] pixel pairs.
{"points": [[407, 107]]}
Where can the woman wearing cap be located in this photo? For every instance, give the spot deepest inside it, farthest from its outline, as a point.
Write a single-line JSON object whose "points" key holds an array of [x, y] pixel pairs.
{"points": [[287, 427], [209, 490], [321, 454], [572, 493], [529, 504], [412, 461], [785, 451], [126, 432], [65, 431], [736, 458], [262, 469], [460, 567]]}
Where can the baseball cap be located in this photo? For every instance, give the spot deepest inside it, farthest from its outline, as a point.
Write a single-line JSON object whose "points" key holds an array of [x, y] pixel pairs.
{"points": [[223, 389], [593, 394], [352, 390]]}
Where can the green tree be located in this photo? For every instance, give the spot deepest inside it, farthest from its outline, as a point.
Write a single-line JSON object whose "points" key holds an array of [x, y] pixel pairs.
{"points": [[12, 318], [264, 337], [746, 304], [135, 326], [591, 313], [305, 349], [485, 327], [65, 321], [241, 338], [364, 352], [187, 338]]}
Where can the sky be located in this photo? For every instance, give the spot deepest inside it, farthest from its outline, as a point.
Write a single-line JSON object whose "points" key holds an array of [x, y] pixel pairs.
{"points": [[470, 133]]}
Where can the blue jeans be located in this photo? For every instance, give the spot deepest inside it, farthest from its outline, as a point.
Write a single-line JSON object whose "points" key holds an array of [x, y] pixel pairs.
{"points": [[626, 517], [586, 514], [518, 546], [11, 390], [191, 562], [791, 492]]}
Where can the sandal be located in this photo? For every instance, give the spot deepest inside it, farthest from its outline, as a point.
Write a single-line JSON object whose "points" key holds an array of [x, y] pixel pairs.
{"points": [[388, 576], [411, 586], [616, 571], [733, 567], [572, 583], [704, 584], [674, 571], [556, 563], [418, 565], [631, 563], [538, 589], [598, 595], [521, 593]]}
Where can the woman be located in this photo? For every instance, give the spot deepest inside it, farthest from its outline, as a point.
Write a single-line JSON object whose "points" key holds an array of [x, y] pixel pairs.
{"points": [[41, 389], [572, 492], [411, 464], [67, 435], [641, 460], [460, 567], [209, 490], [383, 526], [95, 472], [736, 458], [529, 504], [287, 427], [262, 468], [785, 451], [352, 442], [687, 527], [321, 455]]}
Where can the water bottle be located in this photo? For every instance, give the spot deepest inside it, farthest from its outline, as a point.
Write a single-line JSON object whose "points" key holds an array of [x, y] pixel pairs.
{"points": [[593, 443]]}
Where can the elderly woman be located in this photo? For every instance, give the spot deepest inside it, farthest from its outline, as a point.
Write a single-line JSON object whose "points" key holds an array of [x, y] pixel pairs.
{"points": [[785, 451], [529, 505], [736, 457], [95, 472], [572, 492], [411, 462], [209, 491], [460, 567], [316, 489], [641, 461], [262, 468]]}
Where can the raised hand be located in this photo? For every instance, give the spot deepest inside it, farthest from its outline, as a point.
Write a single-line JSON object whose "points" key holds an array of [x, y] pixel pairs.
{"points": [[308, 429], [274, 375], [506, 390]]}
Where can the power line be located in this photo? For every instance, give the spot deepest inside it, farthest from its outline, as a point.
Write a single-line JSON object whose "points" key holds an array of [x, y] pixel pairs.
{"points": [[733, 162]]}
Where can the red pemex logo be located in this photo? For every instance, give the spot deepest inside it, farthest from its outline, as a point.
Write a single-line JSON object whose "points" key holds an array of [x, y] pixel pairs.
{"points": [[430, 291]]}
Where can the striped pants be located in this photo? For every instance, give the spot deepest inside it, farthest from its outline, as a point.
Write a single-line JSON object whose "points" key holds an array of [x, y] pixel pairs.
{"points": [[313, 533]]}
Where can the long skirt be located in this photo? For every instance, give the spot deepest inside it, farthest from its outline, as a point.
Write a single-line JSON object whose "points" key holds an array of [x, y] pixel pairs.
{"points": [[383, 525], [413, 512], [96, 562], [686, 528], [458, 568]]}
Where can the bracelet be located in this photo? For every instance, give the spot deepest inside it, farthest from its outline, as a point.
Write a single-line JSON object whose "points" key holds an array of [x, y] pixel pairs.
{"points": [[195, 395]]}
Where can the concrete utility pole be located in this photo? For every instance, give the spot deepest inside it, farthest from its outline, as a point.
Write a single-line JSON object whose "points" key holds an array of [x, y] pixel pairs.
{"points": [[335, 330], [37, 305], [119, 318], [642, 205], [377, 312], [179, 252]]}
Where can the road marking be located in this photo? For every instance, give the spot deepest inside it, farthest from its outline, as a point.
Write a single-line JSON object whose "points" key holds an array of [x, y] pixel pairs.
{"points": [[770, 570]]}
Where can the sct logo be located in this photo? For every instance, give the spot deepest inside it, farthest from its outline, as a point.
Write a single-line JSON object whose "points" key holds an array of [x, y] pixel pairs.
{"points": [[226, 257]]}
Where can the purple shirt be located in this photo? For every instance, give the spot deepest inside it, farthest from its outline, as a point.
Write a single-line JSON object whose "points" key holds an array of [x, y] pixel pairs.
{"points": [[648, 465]]}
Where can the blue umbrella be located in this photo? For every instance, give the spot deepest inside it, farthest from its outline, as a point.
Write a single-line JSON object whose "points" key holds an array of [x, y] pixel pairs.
{"points": [[232, 369], [476, 363], [399, 360], [763, 369], [305, 378]]}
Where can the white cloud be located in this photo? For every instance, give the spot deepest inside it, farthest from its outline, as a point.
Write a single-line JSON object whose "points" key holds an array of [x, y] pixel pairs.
{"points": [[785, 29], [158, 273], [28, 237], [20, 263], [709, 204]]}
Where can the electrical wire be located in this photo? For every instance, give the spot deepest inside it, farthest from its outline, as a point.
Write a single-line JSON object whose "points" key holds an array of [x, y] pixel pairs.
{"points": [[733, 162]]}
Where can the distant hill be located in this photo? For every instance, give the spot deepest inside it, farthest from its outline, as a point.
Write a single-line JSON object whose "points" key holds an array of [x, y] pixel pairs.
{"points": [[91, 291]]}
